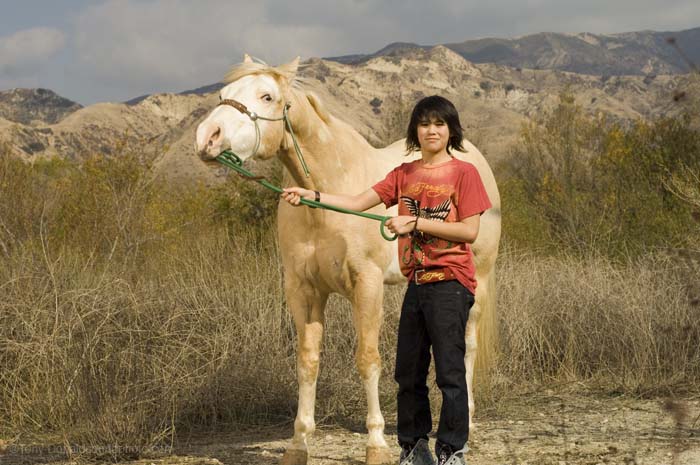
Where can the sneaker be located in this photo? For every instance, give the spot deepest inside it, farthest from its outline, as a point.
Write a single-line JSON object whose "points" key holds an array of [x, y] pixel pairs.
{"points": [[416, 455], [446, 456], [405, 452]]}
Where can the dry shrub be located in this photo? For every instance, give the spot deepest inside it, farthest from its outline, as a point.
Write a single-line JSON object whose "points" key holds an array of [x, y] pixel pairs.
{"points": [[115, 364], [396, 116], [21, 201], [685, 184], [130, 309], [631, 327], [80, 355]]}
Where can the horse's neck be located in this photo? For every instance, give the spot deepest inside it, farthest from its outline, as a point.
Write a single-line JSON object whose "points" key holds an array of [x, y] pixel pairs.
{"points": [[338, 158]]}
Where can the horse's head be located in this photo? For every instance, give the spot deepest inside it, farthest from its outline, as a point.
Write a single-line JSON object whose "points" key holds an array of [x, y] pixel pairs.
{"points": [[248, 119]]}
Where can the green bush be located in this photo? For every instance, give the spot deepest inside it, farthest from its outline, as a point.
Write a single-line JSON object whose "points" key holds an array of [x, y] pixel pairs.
{"points": [[592, 182]]}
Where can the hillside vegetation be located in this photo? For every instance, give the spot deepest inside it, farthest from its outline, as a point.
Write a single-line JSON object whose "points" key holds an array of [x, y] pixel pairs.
{"points": [[581, 183], [132, 309]]}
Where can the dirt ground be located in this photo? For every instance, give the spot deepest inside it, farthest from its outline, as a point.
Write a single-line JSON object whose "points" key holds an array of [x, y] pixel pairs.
{"points": [[543, 428]]}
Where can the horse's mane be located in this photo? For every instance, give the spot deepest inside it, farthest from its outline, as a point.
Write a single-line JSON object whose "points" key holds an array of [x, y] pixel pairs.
{"points": [[287, 71]]}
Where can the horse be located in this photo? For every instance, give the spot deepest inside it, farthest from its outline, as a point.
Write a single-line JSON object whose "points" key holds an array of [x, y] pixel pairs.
{"points": [[265, 112]]}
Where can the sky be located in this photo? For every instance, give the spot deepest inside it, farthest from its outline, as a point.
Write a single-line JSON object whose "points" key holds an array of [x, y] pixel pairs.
{"points": [[114, 50]]}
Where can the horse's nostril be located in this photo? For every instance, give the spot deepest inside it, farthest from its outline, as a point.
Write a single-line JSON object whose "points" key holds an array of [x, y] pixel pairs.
{"points": [[214, 137]]}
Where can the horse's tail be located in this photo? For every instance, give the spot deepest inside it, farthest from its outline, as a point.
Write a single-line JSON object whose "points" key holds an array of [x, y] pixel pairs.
{"points": [[487, 329]]}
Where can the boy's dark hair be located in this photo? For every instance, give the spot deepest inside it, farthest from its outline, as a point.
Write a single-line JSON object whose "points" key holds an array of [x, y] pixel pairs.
{"points": [[435, 108]]}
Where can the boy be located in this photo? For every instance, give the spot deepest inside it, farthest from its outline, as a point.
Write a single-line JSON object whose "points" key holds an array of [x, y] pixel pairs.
{"points": [[440, 202]]}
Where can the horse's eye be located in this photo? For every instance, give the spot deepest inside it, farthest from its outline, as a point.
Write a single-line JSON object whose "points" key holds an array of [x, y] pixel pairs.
{"points": [[267, 97], [220, 98]]}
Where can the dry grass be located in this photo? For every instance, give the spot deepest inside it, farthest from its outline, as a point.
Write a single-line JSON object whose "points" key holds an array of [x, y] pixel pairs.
{"points": [[104, 357], [130, 311], [631, 327]]}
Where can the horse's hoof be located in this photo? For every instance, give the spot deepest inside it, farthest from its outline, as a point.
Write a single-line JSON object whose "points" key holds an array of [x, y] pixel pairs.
{"points": [[294, 457], [378, 456]]}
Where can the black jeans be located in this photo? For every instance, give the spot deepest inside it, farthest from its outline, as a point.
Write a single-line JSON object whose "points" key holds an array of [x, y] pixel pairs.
{"points": [[433, 314]]}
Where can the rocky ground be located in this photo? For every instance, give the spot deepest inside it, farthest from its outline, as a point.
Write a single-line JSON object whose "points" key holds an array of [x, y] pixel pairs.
{"points": [[540, 428]]}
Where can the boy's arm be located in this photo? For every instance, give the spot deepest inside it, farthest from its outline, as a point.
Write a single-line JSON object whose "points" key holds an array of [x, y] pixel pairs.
{"points": [[359, 202], [463, 231]]}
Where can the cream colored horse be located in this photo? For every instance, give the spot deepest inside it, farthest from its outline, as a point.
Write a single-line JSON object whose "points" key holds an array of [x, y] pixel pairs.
{"points": [[323, 251]]}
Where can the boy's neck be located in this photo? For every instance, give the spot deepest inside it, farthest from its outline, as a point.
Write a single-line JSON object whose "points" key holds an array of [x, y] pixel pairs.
{"points": [[435, 158]]}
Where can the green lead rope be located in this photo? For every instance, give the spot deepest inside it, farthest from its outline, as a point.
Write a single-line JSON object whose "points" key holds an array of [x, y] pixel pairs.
{"points": [[288, 123], [233, 161]]}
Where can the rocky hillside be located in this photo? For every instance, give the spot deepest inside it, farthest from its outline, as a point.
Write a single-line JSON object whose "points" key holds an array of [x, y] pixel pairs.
{"points": [[102, 128], [35, 105], [494, 101], [636, 53], [374, 96]]}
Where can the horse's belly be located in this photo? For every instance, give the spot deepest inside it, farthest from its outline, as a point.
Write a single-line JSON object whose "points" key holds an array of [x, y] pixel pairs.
{"points": [[392, 274]]}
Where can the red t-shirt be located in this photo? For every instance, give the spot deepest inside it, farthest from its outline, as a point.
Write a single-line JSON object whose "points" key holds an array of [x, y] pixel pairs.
{"points": [[450, 191]]}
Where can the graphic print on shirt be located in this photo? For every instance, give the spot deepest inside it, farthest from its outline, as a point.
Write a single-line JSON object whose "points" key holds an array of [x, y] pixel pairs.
{"points": [[437, 213]]}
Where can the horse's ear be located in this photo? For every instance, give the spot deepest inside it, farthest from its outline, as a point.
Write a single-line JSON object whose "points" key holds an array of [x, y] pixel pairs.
{"points": [[318, 107], [290, 69], [247, 58]]}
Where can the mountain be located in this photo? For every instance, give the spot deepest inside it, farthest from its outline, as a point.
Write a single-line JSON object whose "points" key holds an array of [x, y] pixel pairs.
{"points": [[203, 90], [494, 101], [374, 96], [149, 126], [632, 53], [35, 105], [393, 49]]}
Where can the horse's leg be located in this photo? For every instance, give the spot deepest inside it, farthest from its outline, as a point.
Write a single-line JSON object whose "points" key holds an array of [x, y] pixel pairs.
{"points": [[306, 305], [470, 357], [367, 317], [480, 332]]}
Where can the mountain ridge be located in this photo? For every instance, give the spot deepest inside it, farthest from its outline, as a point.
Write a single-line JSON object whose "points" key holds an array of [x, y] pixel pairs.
{"points": [[374, 97], [627, 53], [35, 105]]}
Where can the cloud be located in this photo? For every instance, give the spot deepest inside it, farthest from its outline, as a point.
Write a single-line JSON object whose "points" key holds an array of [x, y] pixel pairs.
{"points": [[27, 51], [142, 46], [173, 44], [119, 49]]}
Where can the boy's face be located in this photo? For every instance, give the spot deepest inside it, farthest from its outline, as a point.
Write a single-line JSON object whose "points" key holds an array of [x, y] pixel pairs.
{"points": [[433, 135]]}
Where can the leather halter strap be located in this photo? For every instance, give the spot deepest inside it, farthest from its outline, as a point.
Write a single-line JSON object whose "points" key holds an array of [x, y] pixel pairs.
{"points": [[235, 104], [251, 114]]}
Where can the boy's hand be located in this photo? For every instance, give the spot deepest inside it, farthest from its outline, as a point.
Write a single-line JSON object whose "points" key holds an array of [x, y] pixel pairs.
{"points": [[401, 224], [293, 195]]}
